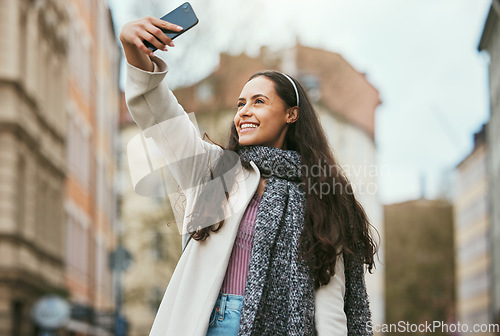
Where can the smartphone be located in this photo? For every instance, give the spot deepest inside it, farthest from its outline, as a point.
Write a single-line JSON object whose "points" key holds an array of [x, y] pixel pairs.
{"points": [[183, 16]]}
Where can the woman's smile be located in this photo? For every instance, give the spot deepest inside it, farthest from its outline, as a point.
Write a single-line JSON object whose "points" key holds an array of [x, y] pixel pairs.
{"points": [[248, 127]]}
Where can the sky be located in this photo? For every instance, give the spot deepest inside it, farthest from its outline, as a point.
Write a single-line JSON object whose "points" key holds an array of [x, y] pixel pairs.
{"points": [[421, 55]]}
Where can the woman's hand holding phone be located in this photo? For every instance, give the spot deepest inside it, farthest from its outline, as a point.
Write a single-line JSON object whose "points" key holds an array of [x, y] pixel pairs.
{"points": [[134, 33]]}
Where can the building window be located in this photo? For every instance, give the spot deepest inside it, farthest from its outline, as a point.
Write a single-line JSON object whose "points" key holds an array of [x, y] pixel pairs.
{"points": [[17, 317], [77, 242], [158, 246], [41, 207], [79, 57], [102, 271], [23, 45], [204, 92], [78, 149], [21, 192]]}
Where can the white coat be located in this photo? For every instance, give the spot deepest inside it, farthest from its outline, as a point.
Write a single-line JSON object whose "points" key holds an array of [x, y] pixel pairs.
{"points": [[193, 289]]}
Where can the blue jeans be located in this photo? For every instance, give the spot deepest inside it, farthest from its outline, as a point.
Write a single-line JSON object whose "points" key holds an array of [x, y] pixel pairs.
{"points": [[225, 317]]}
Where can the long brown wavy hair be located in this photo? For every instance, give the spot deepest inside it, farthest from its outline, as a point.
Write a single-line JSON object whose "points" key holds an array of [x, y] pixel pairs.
{"points": [[335, 222]]}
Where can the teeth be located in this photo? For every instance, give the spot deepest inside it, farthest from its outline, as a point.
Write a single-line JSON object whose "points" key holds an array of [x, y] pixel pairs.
{"points": [[248, 126]]}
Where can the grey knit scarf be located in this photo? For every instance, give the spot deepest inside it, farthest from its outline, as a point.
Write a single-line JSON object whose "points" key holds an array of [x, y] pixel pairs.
{"points": [[356, 303], [279, 293]]}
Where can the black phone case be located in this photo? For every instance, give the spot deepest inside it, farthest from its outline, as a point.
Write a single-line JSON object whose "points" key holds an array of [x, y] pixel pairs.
{"points": [[183, 16]]}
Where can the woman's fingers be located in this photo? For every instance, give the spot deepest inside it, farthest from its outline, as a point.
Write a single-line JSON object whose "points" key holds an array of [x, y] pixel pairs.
{"points": [[147, 36], [148, 29], [139, 43], [156, 27], [165, 24], [158, 33]]}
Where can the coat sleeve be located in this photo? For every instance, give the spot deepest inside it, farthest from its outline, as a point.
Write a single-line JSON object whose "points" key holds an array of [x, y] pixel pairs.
{"points": [[330, 318], [163, 120]]}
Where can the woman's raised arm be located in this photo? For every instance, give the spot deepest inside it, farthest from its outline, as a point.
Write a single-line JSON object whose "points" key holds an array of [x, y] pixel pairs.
{"points": [[156, 110]]}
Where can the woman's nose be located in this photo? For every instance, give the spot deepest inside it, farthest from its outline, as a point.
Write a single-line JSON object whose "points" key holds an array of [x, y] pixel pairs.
{"points": [[244, 111]]}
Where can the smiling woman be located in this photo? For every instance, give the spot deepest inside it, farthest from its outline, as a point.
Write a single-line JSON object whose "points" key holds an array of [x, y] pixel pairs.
{"points": [[284, 259]]}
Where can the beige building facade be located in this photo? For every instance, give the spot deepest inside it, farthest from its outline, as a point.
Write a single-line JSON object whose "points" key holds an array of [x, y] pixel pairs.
{"points": [[33, 159], [490, 43], [58, 120], [471, 236]]}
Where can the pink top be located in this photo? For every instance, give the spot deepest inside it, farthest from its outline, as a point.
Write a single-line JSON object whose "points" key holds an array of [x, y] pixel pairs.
{"points": [[237, 270]]}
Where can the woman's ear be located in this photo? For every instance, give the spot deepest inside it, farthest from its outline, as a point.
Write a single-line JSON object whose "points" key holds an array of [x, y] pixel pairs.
{"points": [[292, 114]]}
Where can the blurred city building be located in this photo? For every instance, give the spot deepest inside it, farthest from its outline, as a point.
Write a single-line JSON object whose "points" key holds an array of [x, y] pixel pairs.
{"points": [[33, 159], [472, 229], [58, 120], [150, 234], [92, 107], [419, 259], [490, 43]]}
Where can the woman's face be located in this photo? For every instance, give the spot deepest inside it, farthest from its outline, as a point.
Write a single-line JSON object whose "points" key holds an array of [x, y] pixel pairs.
{"points": [[260, 106]]}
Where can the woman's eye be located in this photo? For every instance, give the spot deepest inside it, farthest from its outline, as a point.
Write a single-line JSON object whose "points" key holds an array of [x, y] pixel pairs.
{"points": [[240, 104], [259, 101]]}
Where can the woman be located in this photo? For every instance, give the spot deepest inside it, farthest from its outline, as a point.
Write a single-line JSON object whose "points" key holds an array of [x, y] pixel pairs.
{"points": [[271, 253]]}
